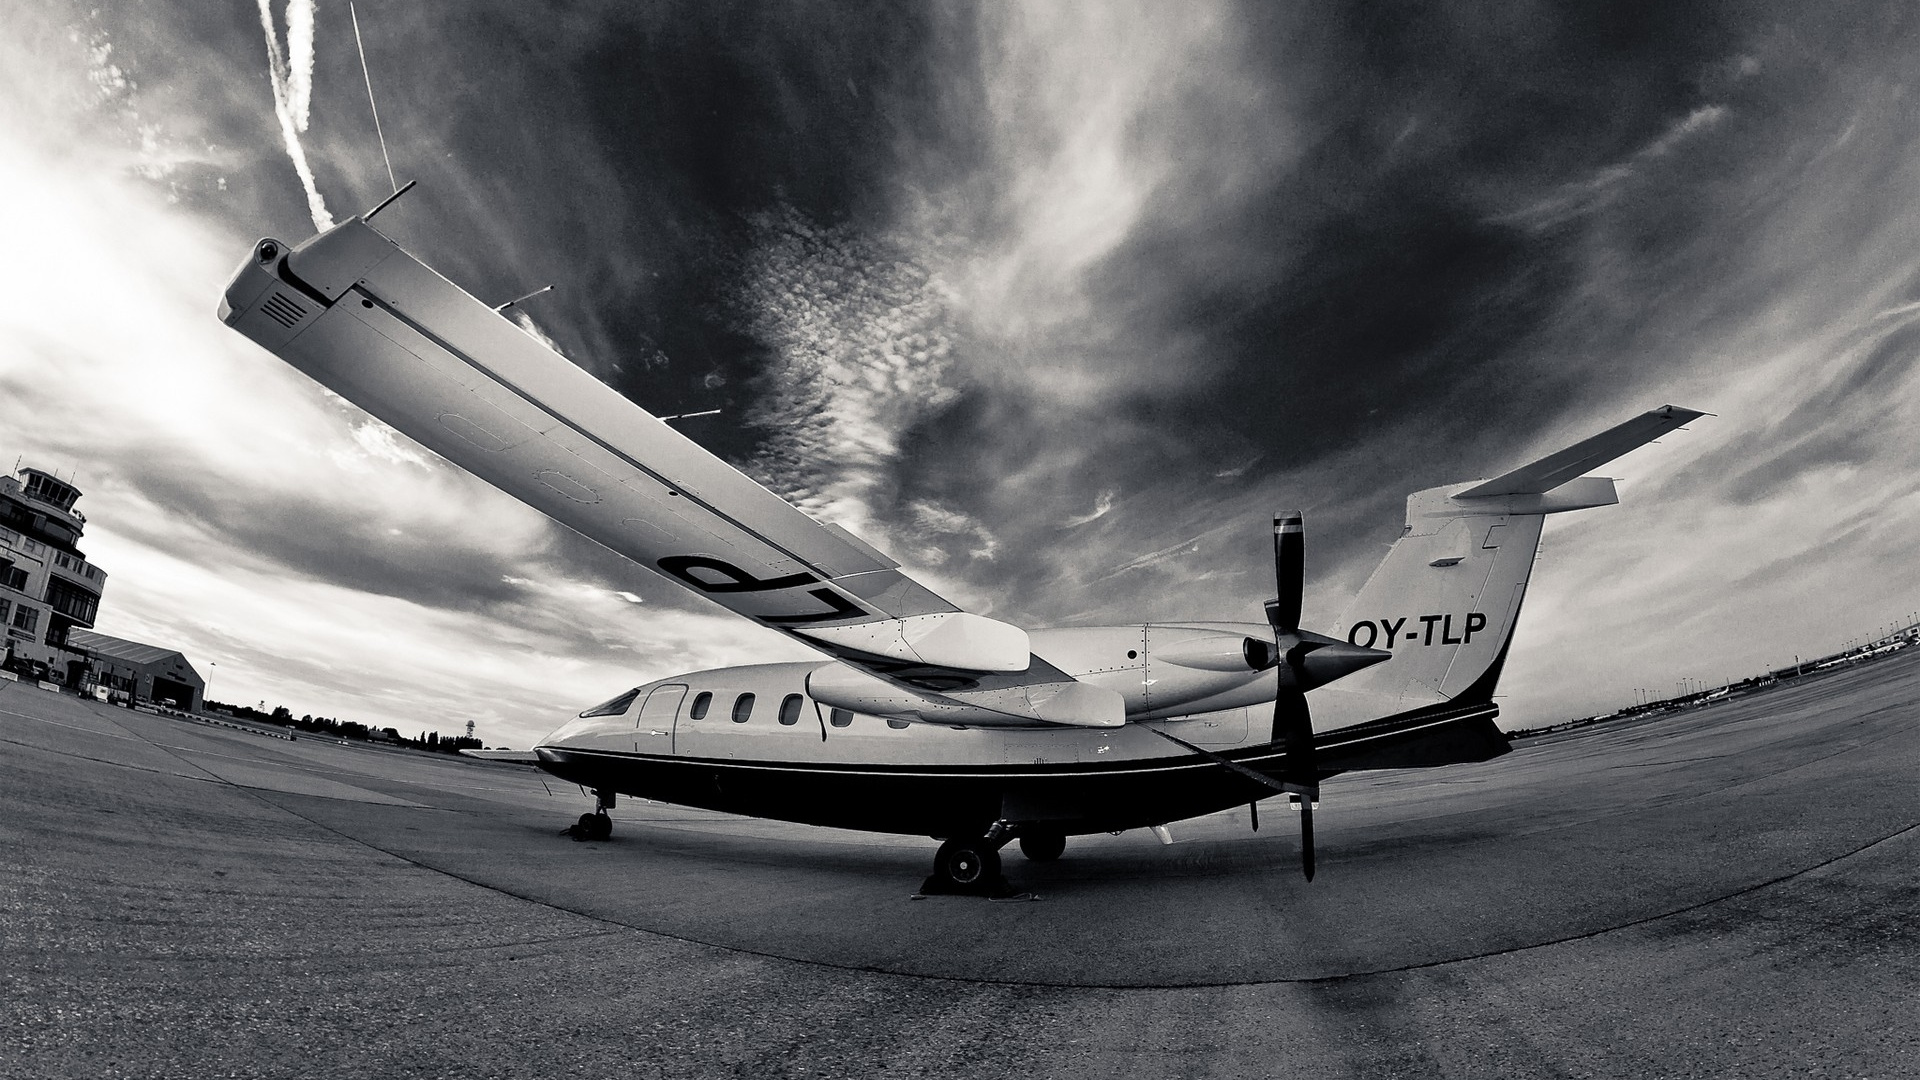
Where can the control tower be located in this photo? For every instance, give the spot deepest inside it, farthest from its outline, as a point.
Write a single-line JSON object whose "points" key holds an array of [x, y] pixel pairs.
{"points": [[47, 586]]}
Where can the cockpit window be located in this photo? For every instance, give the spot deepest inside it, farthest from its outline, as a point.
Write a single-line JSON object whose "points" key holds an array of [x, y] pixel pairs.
{"points": [[742, 708], [790, 710], [616, 707], [701, 701], [839, 718]]}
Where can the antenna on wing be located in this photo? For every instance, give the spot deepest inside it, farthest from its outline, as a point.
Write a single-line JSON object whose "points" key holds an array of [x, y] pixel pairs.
{"points": [[388, 201], [368, 76], [503, 307]]}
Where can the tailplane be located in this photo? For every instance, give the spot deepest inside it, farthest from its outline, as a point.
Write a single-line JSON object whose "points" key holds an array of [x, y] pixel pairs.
{"points": [[1445, 599]]}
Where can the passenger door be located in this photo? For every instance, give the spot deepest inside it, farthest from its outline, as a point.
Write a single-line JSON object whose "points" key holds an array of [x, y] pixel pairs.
{"points": [[655, 721]]}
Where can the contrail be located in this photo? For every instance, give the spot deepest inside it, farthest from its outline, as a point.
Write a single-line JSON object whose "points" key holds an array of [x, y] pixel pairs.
{"points": [[300, 60], [293, 92]]}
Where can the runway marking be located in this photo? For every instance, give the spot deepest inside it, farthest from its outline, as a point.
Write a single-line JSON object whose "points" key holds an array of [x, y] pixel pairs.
{"points": [[116, 764], [71, 727]]}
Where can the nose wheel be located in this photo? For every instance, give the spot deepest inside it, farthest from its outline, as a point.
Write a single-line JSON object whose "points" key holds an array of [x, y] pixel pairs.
{"points": [[594, 826]]}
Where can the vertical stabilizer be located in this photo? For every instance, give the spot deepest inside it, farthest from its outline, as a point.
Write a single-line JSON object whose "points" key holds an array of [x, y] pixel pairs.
{"points": [[1445, 600]]}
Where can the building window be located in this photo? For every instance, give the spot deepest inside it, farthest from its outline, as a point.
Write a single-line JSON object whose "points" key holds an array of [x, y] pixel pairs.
{"points": [[742, 708], [26, 618], [839, 718], [72, 601], [12, 576], [6, 608], [701, 702], [790, 710]]}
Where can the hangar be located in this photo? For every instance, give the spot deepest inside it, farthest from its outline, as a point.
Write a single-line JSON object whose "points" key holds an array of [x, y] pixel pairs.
{"points": [[123, 670]]}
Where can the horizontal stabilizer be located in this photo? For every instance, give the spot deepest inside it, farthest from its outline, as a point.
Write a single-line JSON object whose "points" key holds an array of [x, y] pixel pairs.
{"points": [[1555, 469]]}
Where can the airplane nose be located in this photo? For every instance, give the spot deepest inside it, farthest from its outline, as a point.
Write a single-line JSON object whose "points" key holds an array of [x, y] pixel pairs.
{"points": [[1337, 660]]}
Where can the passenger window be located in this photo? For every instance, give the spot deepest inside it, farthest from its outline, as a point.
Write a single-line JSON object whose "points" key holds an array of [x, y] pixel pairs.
{"points": [[839, 718], [742, 708], [700, 703], [899, 725], [790, 710], [617, 707]]}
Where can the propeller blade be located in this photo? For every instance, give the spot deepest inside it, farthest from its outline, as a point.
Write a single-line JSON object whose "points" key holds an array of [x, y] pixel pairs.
{"points": [[1299, 771], [1289, 572], [1292, 719], [1306, 836]]}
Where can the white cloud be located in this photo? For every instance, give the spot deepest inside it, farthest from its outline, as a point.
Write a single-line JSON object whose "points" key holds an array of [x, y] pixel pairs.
{"points": [[1102, 119], [117, 365], [1102, 506]]}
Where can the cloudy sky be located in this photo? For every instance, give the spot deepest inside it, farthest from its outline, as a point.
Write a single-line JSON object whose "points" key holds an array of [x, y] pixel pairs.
{"points": [[1056, 303]]}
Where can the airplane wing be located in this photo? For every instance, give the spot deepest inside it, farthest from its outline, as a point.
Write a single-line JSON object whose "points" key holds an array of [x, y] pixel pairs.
{"points": [[515, 757], [368, 320]]}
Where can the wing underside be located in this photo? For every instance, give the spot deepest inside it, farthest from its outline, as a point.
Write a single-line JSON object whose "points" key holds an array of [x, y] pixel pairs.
{"points": [[368, 320]]}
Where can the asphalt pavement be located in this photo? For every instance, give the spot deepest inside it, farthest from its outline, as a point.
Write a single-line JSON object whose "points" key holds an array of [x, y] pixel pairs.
{"points": [[1729, 891]]}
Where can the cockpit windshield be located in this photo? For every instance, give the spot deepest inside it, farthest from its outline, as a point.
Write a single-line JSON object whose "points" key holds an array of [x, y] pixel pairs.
{"points": [[615, 707]]}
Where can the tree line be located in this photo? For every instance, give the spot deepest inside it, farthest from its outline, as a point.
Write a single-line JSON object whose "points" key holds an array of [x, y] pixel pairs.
{"points": [[281, 716]]}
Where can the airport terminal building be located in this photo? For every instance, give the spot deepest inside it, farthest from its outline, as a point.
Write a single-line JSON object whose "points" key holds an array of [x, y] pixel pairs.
{"points": [[47, 586], [50, 595]]}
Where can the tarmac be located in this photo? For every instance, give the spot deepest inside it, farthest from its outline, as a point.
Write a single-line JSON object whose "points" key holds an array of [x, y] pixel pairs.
{"points": [[1725, 892]]}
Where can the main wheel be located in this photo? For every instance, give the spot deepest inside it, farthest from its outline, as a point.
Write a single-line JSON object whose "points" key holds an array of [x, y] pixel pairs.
{"points": [[601, 828], [1042, 847], [967, 864]]}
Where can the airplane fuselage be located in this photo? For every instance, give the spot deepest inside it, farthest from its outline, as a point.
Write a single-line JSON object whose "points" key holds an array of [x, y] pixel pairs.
{"points": [[756, 740]]}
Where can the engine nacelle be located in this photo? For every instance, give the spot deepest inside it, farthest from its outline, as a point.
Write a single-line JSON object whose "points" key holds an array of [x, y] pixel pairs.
{"points": [[1168, 670]]}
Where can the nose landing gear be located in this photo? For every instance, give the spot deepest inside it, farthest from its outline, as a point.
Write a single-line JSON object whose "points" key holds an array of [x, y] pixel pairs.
{"points": [[597, 825]]}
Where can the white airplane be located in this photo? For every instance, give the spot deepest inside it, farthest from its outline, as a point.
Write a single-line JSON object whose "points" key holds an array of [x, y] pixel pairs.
{"points": [[923, 719]]}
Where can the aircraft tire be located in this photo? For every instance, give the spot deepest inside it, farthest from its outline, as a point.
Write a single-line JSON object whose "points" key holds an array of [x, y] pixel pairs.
{"points": [[967, 865], [1042, 847], [601, 828]]}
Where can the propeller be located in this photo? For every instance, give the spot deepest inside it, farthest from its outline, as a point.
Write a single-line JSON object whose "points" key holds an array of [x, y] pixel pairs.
{"points": [[1305, 660]]}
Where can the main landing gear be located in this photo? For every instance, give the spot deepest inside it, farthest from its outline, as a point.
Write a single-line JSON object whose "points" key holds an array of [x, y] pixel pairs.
{"points": [[597, 825], [970, 866], [1042, 846]]}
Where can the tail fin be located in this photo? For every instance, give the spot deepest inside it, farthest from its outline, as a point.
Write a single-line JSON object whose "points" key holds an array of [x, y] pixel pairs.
{"points": [[1445, 599]]}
